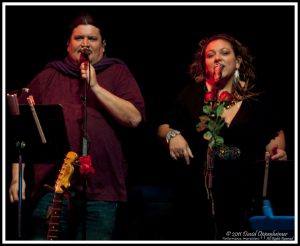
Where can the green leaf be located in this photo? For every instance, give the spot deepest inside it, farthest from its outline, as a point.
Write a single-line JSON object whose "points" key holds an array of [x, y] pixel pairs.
{"points": [[222, 124], [219, 140], [212, 143], [219, 110], [207, 136], [206, 109], [211, 125]]}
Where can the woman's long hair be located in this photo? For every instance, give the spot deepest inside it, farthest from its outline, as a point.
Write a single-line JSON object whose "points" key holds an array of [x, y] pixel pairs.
{"points": [[246, 70]]}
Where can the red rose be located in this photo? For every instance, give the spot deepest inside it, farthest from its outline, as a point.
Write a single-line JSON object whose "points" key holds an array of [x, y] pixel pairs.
{"points": [[210, 96], [86, 165], [226, 97]]}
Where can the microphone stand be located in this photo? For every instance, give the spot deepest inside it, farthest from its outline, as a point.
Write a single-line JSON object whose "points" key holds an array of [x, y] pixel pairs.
{"points": [[14, 108], [20, 146], [85, 137], [85, 57], [85, 141]]}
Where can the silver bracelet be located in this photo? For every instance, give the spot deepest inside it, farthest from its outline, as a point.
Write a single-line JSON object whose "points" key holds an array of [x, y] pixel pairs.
{"points": [[171, 134]]}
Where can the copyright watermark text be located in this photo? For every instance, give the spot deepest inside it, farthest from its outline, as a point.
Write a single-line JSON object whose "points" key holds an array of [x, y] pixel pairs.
{"points": [[257, 235]]}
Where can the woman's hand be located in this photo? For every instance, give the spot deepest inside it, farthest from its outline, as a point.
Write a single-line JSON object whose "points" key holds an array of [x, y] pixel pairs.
{"points": [[179, 148], [276, 147], [278, 155]]}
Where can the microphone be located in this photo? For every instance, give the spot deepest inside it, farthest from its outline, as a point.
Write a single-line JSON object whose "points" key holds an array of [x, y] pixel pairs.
{"points": [[218, 68], [217, 76], [84, 56]]}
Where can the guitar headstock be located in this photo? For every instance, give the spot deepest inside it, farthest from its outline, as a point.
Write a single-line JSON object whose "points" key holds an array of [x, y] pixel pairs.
{"points": [[65, 173]]}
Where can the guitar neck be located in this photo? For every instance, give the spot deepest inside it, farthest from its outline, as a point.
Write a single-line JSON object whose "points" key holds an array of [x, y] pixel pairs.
{"points": [[53, 228], [61, 184]]}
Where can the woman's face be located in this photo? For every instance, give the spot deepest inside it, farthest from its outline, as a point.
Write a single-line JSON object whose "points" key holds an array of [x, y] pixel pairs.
{"points": [[86, 37], [219, 55]]}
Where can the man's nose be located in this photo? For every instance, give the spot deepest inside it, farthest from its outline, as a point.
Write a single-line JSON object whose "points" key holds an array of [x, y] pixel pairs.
{"points": [[85, 42]]}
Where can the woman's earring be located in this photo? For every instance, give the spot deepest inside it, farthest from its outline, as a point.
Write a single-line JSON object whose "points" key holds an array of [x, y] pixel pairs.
{"points": [[236, 76]]}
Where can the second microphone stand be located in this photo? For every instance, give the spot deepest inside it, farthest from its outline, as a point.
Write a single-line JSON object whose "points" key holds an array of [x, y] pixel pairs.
{"points": [[85, 137]]}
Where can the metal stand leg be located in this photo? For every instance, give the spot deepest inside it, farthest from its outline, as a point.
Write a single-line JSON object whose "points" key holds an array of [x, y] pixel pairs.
{"points": [[20, 146]]}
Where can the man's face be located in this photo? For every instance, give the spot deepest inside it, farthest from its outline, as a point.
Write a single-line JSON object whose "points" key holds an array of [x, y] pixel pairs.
{"points": [[86, 37]]}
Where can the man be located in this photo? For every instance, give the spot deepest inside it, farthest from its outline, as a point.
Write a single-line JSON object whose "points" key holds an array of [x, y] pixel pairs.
{"points": [[113, 101]]}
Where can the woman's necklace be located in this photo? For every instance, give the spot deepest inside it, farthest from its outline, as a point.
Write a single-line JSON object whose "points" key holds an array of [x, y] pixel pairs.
{"points": [[232, 103]]}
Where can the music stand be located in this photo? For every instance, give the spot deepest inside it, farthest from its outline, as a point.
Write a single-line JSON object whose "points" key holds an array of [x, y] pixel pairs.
{"points": [[23, 128], [279, 191], [25, 135]]}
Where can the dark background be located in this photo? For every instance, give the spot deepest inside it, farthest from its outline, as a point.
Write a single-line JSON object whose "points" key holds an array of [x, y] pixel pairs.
{"points": [[158, 43]]}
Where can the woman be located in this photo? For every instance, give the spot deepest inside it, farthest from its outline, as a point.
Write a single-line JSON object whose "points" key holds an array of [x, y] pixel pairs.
{"points": [[220, 126]]}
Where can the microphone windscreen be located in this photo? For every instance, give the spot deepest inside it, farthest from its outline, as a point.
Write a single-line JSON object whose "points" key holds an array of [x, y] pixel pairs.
{"points": [[218, 72], [84, 56]]}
